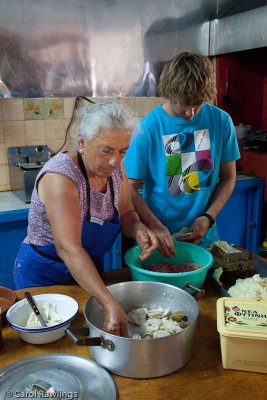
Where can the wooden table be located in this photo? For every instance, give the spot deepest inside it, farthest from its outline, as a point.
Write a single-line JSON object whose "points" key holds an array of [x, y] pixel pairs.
{"points": [[202, 378]]}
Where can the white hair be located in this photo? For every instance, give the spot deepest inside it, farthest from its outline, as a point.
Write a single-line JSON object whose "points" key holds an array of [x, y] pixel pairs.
{"points": [[105, 115]]}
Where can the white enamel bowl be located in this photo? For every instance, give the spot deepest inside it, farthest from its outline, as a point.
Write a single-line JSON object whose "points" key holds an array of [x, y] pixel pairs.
{"points": [[17, 316]]}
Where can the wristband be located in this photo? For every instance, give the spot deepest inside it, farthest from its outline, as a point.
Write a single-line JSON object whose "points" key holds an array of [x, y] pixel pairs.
{"points": [[210, 218]]}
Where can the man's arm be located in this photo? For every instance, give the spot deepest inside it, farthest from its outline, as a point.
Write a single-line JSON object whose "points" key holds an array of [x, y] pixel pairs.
{"points": [[219, 198], [224, 188]]}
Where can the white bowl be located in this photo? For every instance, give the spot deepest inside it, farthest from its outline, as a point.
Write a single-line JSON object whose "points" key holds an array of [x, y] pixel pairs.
{"points": [[17, 316]]}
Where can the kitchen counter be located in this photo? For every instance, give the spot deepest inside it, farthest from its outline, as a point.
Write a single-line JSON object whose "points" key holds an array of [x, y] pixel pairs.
{"points": [[10, 202], [13, 230], [203, 377]]}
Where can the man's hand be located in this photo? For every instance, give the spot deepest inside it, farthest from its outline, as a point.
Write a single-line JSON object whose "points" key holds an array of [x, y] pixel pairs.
{"points": [[196, 231], [165, 241]]}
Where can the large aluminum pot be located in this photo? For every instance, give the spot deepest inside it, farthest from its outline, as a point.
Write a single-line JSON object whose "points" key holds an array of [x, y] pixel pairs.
{"points": [[141, 358]]}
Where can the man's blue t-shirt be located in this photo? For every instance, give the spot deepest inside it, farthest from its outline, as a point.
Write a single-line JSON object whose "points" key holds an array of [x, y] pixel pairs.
{"points": [[179, 162]]}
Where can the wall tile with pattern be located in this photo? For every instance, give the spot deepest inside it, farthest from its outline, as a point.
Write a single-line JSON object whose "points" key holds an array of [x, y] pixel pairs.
{"points": [[34, 109]]}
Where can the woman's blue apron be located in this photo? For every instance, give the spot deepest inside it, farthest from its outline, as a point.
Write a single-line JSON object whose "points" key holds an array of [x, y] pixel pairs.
{"points": [[41, 266]]}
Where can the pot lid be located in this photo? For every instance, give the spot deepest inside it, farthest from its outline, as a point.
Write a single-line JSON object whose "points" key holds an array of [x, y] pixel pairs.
{"points": [[56, 376]]}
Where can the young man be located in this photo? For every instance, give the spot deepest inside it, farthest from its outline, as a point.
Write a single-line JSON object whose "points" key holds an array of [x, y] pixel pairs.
{"points": [[185, 152]]}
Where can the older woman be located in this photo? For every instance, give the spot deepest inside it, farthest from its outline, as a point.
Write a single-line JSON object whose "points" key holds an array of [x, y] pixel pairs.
{"points": [[80, 203]]}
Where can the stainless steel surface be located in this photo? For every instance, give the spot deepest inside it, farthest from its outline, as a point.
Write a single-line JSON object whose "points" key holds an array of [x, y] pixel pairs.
{"points": [[81, 337], [247, 30], [71, 376], [24, 164], [199, 292], [144, 358], [35, 309], [103, 48], [30, 166], [43, 386]]}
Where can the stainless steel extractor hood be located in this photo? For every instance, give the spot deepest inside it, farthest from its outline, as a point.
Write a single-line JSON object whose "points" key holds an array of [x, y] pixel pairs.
{"points": [[109, 47]]}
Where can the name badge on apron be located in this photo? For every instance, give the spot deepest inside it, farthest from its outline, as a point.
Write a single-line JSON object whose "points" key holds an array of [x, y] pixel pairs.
{"points": [[97, 220]]}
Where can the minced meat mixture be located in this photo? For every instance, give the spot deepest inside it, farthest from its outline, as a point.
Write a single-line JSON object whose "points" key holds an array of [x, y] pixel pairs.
{"points": [[168, 267]]}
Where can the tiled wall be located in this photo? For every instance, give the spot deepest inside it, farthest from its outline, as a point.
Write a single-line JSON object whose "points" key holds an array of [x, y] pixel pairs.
{"points": [[26, 122], [242, 86]]}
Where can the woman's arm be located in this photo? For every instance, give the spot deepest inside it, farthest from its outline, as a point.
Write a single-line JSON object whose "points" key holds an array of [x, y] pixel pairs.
{"points": [[165, 241], [131, 224], [60, 196]]}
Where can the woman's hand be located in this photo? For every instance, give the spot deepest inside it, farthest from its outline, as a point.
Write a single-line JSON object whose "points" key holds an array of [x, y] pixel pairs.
{"points": [[146, 239], [115, 320]]}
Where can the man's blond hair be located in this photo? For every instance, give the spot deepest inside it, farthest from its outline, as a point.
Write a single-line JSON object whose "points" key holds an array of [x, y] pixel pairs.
{"points": [[188, 79]]}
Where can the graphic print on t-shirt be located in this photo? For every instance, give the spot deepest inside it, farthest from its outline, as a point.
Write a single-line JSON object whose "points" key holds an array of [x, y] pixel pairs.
{"points": [[188, 161]]}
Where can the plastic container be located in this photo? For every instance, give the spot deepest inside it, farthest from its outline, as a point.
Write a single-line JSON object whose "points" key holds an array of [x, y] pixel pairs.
{"points": [[186, 252], [242, 130], [242, 325]]}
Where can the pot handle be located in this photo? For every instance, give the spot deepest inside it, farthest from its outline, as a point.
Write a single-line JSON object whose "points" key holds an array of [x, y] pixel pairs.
{"points": [[73, 333], [199, 292]]}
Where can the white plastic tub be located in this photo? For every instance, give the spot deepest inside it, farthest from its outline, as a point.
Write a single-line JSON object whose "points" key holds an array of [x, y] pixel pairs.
{"points": [[242, 325]]}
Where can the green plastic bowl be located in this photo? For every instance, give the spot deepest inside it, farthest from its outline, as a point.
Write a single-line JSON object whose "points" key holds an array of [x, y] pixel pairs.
{"points": [[186, 252]]}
